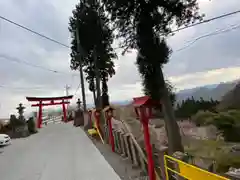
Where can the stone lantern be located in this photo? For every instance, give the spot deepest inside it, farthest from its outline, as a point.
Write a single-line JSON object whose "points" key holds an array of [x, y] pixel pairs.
{"points": [[20, 109], [143, 108], [78, 118], [79, 103]]}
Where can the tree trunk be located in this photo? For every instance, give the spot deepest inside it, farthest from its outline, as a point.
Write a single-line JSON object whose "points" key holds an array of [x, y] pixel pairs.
{"points": [[80, 52], [98, 81], [105, 97], [94, 97], [98, 89], [171, 126]]}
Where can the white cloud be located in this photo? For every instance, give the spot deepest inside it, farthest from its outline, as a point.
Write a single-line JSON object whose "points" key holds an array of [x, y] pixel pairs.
{"points": [[204, 78]]}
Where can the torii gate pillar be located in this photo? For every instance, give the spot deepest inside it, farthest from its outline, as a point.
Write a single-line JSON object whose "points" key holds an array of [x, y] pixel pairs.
{"points": [[39, 124], [64, 111]]}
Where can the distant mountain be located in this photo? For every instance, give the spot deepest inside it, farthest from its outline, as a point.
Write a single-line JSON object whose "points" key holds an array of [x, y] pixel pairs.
{"points": [[214, 91]]}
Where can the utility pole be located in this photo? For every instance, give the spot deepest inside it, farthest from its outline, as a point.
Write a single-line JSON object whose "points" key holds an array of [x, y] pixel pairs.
{"points": [[80, 56], [67, 90]]}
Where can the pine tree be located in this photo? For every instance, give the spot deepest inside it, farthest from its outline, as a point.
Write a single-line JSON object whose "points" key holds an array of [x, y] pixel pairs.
{"points": [[96, 40]]}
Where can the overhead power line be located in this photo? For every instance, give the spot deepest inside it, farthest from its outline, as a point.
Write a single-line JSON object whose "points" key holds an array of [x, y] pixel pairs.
{"points": [[17, 60], [214, 33], [22, 88], [207, 21], [64, 45], [14, 59], [34, 32], [77, 89]]}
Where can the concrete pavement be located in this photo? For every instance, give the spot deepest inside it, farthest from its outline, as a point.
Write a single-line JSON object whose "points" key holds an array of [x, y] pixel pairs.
{"points": [[57, 152]]}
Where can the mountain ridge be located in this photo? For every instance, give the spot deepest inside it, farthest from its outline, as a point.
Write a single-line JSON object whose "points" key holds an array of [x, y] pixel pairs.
{"points": [[214, 91]]}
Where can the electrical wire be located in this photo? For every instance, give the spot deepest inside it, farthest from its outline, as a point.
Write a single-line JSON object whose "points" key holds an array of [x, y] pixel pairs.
{"points": [[207, 21], [14, 59], [77, 89], [17, 60], [64, 45], [34, 32], [22, 88], [217, 32]]}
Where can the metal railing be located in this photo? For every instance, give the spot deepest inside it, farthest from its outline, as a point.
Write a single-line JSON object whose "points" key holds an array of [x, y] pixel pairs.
{"points": [[182, 170]]}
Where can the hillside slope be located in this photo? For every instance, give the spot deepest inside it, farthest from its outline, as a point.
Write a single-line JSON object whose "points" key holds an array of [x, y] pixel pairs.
{"points": [[231, 100]]}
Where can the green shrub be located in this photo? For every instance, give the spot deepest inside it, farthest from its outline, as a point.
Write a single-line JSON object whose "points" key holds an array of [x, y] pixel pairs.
{"points": [[224, 162], [235, 114], [203, 118], [229, 124], [15, 122]]}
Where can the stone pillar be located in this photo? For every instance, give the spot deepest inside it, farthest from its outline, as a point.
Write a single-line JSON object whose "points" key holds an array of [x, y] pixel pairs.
{"points": [[106, 134], [116, 140], [123, 147], [143, 164], [119, 142], [128, 146], [181, 156], [79, 115], [163, 151], [79, 118], [134, 154], [87, 123]]}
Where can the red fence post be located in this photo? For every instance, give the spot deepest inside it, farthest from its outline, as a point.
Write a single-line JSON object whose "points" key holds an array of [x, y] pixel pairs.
{"points": [[148, 146]]}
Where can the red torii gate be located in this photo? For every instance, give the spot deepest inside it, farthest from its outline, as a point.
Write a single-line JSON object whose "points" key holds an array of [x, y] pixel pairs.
{"points": [[51, 102]]}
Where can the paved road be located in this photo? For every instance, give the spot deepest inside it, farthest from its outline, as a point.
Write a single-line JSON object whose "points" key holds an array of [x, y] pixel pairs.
{"points": [[57, 152]]}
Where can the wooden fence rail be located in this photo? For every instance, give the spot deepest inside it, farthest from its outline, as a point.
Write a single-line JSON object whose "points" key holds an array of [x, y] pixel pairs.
{"points": [[127, 146]]}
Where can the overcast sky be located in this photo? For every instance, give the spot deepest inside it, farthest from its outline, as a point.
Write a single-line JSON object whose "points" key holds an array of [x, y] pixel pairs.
{"points": [[209, 60]]}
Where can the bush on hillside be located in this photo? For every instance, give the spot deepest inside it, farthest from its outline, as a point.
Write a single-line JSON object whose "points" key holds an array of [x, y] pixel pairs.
{"points": [[234, 113], [226, 161], [229, 124], [203, 118]]}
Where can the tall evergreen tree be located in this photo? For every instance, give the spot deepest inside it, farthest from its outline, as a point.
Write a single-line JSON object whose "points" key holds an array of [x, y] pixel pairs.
{"points": [[96, 38], [90, 77], [143, 24]]}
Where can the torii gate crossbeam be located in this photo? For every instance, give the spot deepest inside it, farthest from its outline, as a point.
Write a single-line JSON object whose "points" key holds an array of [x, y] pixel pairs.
{"points": [[52, 101]]}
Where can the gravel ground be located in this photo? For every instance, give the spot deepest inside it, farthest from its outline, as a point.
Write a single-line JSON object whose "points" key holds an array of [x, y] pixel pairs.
{"points": [[121, 166]]}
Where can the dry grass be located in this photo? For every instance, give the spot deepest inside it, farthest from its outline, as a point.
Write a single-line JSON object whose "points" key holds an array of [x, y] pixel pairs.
{"points": [[124, 112]]}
